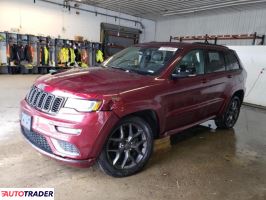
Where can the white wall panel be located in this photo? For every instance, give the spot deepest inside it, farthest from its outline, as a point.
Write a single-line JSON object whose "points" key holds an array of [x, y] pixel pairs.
{"points": [[254, 61], [47, 19], [233, 22]]}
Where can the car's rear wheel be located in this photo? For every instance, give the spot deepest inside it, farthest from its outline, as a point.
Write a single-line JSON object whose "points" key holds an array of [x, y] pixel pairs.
{"points": [[230, 116], [128, 148]]}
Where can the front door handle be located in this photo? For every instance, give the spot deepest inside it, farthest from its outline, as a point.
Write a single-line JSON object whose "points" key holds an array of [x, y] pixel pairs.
{"points": [[204, 80], [229, 76]]}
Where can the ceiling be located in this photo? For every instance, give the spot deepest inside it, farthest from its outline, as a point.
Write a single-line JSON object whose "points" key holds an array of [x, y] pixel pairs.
{"points": [[158, 9]]}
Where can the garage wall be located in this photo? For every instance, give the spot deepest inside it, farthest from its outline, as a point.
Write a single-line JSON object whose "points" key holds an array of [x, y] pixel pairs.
{"points": [[46, 19], [255, 65], [215, 22], [228, 22]]}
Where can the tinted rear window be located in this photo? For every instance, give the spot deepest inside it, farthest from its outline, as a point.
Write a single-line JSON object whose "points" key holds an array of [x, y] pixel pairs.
{"points": [[215, 62], [231, 61]]}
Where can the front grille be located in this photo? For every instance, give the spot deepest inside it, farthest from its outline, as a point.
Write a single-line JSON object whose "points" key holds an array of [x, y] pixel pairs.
{"points": [[37, 140], [44, 101]]}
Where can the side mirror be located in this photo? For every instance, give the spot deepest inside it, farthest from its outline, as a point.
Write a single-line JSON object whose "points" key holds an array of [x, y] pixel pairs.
{"points": [[180, 75], [184, 71]]}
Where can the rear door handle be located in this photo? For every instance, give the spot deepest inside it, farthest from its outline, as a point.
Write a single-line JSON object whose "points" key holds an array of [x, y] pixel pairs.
{"points": [[229, 76]]}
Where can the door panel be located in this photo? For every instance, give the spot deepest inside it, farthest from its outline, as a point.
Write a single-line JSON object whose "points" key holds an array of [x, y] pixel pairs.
{"points": [[217, 83], [184, 98], [183, 102], [193, 99], [214, 94]]}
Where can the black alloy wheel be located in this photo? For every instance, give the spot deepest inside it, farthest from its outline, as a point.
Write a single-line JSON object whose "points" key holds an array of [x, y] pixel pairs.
{"points": [[231, 114], [128, 148]]}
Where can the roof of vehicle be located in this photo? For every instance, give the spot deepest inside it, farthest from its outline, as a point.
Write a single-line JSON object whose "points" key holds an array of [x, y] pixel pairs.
{"points": [[183, 45]]}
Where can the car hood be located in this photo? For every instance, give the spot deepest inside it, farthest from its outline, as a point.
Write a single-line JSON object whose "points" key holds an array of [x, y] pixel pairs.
{"points": [[95, 81]]}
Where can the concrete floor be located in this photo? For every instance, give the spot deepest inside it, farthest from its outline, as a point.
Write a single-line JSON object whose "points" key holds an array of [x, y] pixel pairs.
{"points": [[201, 164]]}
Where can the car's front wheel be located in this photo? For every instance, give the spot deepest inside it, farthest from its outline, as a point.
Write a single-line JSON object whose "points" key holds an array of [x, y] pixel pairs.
{"points": [[230, 116], [128, 148]]}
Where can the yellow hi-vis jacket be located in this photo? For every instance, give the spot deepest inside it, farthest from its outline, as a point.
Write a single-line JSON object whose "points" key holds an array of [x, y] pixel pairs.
{"points": [[99, 56]]}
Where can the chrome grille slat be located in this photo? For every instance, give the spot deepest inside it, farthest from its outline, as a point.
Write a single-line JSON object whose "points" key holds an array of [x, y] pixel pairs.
{"points": [[48, 102], [41, 100], [36, 98], [56, 104], [29, 94], [44, 101], [31, 98]]}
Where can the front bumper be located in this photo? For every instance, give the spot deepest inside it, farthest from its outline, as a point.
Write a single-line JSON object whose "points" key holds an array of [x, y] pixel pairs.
{"points": [[46, 150], [94, 129]]}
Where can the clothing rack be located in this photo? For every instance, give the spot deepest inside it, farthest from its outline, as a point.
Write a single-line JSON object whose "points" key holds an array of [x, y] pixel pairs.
{"points": [[206, 38], [37, 42]]}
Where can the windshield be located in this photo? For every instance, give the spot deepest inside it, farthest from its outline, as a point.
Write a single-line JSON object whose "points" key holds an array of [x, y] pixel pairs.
{"points": [[142, 60]]}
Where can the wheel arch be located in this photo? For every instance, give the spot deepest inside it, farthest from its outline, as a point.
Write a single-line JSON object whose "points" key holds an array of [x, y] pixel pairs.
{"points": [[151, 117], [240, 94]]}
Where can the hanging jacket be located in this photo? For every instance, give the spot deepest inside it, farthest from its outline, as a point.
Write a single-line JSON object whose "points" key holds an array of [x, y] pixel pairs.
{"points": [[51, 56], [21, 52], [2, 38], [28, 53], [77, 55], [8, 51], [46, 56], [99, 56], [51, 50], [84, 56], [15, 54], [72, 56], [63, 55], [60, 56], [41, 56]]}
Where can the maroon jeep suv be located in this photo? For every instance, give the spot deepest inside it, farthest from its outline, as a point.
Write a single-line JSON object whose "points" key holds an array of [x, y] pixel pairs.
{"points": [[111, 114]]}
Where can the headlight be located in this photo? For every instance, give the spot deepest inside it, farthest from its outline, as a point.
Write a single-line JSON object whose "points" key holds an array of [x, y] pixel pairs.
{"points": [[83, 105]]}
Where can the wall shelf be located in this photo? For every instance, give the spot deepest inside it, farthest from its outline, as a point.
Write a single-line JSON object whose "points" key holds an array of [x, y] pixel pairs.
{"points": [[206, 38]]}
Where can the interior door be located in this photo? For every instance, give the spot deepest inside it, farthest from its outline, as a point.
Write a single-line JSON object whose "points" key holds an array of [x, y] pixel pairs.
{"points": [[115, 38]]}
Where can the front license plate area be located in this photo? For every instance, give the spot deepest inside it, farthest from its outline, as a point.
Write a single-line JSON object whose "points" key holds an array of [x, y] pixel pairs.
{"points": [[26, 121]]}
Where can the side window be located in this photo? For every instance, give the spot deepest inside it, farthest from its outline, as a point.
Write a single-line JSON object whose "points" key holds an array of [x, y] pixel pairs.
{"points": [[231, 61], [215, 62], [191, 64]]}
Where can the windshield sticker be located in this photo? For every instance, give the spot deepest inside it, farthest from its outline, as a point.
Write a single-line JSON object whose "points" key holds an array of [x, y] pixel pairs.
{"points": [[168, 49]]}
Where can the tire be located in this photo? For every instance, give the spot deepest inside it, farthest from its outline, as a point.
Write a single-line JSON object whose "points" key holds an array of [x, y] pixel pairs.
{"points": [[230, 116], [128, 148]]}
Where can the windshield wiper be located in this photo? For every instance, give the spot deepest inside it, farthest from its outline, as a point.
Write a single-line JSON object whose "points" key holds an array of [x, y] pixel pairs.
{"points": [[142, 72], [124, 69], [132, 70], [120, 68]]}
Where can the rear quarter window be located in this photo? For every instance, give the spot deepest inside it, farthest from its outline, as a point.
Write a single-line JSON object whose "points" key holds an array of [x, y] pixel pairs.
{"points": [[215, 62], [231, 61]]}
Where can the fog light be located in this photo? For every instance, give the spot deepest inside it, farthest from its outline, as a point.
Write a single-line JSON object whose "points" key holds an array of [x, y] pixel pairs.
{"points": [[71, 131], [65, 147]]}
